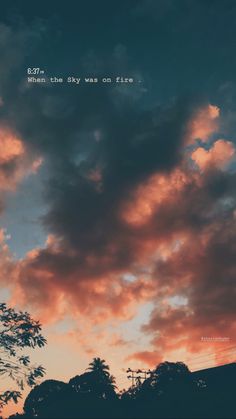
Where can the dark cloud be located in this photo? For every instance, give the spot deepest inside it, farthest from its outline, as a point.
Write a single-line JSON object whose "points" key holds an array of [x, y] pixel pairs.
{"points": [[63, 123]]}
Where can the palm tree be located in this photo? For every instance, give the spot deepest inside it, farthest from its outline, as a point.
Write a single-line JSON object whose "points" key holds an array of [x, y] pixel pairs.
{"points": [[99, 365], [103, 381]]}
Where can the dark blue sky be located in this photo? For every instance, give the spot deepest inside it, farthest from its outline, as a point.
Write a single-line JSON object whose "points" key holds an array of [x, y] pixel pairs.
{"points": [[177, 45]]}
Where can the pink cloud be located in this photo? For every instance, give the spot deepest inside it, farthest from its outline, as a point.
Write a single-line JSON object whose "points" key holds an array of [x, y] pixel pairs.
{"points": [[203, 124], [16, 160], [219, 155]]}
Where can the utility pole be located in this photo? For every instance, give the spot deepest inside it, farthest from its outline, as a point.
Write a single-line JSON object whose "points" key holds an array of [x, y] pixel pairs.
{"points": [[137, 376]]}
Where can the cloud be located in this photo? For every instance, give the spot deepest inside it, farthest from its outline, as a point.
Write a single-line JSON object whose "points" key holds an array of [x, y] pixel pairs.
{"points": [[91, 246], [64, 282], [153, 193], [219, 155], [203, 124], [16, 161], [202, 270], [149, 358], [175, 240], [123, 195]]}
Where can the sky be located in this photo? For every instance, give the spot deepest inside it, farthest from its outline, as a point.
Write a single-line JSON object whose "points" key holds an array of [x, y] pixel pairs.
{"points": [[117, 201]]}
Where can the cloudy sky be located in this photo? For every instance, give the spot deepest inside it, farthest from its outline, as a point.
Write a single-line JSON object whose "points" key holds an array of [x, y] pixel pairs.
{"points": [[117, 202]]}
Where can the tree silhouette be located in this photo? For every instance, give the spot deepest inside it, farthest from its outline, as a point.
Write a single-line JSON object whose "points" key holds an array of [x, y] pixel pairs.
{"points": [[17, 332], [99, 365], [84, 383], [167, 379], [42, 395], [172, 391], [97, 382], [167, 373]]}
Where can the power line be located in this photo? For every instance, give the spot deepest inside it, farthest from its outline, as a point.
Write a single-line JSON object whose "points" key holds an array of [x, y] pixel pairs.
{"points": [[137, 376], [206, 362], [212, 357], [207, 367], [209, 354]]}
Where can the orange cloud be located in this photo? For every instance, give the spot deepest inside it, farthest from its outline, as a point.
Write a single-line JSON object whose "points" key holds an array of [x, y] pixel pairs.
{"points": [[11, 146], [149, 358], [39, 281], [158, 189], [203, 124], [16, 161], [219, 155]]}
